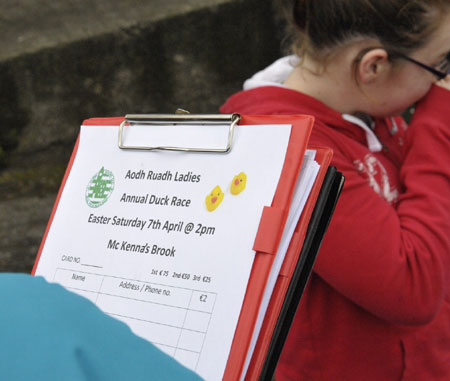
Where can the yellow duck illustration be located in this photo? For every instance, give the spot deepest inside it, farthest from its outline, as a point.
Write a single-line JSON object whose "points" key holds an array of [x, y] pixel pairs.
{"points": [[214, 199], [238, 184]]}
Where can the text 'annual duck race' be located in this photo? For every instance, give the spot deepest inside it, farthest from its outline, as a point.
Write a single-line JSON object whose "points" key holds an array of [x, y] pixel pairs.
{"points": [[152, 199]]}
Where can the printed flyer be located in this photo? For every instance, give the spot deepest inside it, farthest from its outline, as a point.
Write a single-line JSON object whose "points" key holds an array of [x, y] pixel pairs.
{"points": [[163, 240]]}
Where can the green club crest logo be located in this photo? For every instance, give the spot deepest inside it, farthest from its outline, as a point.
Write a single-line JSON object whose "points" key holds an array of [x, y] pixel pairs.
{"points": [[99, 188]]}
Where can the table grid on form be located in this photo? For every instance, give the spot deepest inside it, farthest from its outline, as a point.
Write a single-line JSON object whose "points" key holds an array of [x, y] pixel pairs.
{"points": [[173, 318]]}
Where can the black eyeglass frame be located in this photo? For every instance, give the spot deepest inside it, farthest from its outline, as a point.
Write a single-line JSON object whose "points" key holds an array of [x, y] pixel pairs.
{"points": [[439, 74]]}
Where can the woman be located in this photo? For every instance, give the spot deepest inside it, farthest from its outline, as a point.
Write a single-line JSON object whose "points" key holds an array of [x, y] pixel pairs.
{"points": [[377, 306]]}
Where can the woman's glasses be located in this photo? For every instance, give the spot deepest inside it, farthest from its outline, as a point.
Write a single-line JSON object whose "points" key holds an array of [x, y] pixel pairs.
{"points": [[442, 70]]}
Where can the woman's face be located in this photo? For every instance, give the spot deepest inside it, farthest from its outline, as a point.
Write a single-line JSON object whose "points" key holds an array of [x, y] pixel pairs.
{"points": [[408, 82]]}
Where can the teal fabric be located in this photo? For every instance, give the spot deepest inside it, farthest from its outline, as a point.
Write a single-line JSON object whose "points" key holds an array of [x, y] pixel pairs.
{"points": [[49, 333]]}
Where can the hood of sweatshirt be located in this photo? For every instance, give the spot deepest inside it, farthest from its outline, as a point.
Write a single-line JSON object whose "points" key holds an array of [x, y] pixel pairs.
{"points": [[264, 93]]}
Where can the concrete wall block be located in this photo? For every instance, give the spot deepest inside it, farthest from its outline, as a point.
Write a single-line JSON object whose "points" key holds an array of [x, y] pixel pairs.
{"points": [[192, 60]]}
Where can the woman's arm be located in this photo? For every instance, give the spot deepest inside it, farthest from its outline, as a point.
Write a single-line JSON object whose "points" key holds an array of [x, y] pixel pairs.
{"points": [[394, 261]]}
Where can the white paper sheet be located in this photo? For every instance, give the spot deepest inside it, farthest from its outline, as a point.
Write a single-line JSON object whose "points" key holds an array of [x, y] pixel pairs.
{"points": [[132, 233], [305, 181]]}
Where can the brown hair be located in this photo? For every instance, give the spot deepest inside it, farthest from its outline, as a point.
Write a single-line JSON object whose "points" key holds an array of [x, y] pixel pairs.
{"points": [[317, 27]]}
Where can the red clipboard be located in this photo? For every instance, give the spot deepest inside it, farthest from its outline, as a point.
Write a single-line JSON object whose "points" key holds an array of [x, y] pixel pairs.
{"points": [[261, 268], [323, 157], [266, 242]]}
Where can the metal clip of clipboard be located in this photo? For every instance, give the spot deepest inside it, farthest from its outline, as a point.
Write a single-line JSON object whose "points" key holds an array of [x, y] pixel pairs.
{"points": [[180, 118]]}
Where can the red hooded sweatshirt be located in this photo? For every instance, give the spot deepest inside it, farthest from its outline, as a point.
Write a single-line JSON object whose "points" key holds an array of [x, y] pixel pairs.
{"points": [[377, 306]]}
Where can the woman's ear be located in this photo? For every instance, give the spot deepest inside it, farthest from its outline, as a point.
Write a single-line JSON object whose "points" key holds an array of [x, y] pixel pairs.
{"points": [[372, 66]]}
